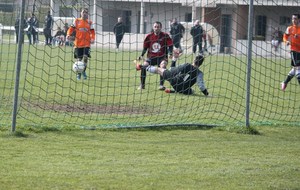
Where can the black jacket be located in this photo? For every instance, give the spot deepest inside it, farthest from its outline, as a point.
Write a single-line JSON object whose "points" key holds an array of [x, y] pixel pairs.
{"points": [[177, 29], [119, 29], [197, 32]]}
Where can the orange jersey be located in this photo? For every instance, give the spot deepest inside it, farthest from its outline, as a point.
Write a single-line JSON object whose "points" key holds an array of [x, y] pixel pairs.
{"points": [[292, 34], [84, 32]]}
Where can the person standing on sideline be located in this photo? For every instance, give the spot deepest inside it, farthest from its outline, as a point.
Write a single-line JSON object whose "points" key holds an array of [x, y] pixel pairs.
{"points": [[83, 34], [276, 38], [33, 27], [48, 29], [59, 37], [182, 77], [198, 35], [292, 38], [17, 26], [119, 31], [177, 30], [158, 45]]}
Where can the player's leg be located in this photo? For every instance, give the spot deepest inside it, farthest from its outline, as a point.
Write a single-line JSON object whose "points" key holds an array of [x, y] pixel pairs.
{"points": [[289, 77], [297, 73], [78, 55], [143, 69], [86, 56], [162, 63], [291, 74], [142, 66], [297, 66], [142, 78]]}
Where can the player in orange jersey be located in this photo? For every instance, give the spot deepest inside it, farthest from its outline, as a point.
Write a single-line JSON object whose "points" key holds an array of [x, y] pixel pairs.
{"points": [[292, 38], [83, 34]]}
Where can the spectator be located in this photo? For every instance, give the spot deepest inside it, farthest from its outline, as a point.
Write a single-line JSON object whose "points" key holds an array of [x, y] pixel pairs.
{"points": [[276, 38], [83, 34], [198, 35], [157, 44], [182, 77], [119, 31], [59, 37], [177, 31], [65, 30], [48, 29], [17, 26], [292, 38], [33, 26]]}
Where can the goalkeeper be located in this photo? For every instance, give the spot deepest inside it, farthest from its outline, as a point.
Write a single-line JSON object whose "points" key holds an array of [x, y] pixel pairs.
{"points": [[182, 77]]}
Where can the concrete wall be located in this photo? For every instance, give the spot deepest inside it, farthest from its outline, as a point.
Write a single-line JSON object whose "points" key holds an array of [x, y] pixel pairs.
{"points": [[261, 48]]}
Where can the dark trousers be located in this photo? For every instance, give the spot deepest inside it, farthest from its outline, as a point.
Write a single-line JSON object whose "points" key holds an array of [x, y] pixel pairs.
{"points": [[48, 36], [118, 40], [34, 37], [18, 37], [176, 41], [195, 44]]}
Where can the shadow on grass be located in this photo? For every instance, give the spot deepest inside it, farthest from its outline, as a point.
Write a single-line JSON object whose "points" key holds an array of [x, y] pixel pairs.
{"points": [[240, 130], [162, 127], [16, 134], [231, 129]]}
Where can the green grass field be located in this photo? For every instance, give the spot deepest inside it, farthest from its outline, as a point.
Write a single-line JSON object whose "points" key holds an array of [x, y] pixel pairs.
{"points": [[52, 148], [151, 158]]}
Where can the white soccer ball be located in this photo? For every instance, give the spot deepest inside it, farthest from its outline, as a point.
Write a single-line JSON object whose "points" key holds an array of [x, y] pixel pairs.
{"points": [[78, 67]]}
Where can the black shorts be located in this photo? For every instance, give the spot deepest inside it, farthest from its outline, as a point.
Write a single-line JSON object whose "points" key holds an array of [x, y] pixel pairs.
{"points": [[80, 52], [295, 59], [155, 60]]}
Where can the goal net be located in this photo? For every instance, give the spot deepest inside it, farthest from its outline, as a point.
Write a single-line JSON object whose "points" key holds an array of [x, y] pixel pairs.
{"points": [[49, 93]]}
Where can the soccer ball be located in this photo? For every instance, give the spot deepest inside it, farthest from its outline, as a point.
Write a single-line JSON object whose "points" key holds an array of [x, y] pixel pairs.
{"points": [[78, 67]]}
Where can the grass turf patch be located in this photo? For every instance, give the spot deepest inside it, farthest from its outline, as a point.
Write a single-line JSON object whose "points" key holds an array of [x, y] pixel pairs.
{"points": [[147, 158]]}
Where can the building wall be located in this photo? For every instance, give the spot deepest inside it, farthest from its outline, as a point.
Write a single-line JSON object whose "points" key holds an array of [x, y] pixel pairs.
{"points": [[108, 11]]}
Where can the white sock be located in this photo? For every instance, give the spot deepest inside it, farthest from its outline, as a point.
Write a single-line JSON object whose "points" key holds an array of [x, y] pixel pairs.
{"points": [[151, 69]]}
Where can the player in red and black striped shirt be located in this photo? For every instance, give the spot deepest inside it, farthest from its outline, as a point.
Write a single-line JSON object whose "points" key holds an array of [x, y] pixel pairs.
{"points": [[158, 45]]}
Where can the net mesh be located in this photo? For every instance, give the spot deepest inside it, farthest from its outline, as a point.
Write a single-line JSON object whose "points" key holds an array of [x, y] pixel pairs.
{"points": [[50, 94]]}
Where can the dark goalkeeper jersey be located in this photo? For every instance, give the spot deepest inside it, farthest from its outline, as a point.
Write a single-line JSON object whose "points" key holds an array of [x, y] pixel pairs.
{"points": [[182, 78]]}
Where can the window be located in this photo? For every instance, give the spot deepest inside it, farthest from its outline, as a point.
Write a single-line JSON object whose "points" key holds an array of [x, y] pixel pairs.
{"points": [[283, 20], [188, 17], [6, 7], [65, 12], [261, 26]]}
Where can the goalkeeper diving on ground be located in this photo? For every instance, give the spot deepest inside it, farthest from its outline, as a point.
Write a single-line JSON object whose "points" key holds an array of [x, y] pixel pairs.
{"points": [[182, 77]]}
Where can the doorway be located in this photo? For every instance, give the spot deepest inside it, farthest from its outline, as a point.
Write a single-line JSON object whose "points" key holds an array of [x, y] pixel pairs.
{"points": [[226, 32]]}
